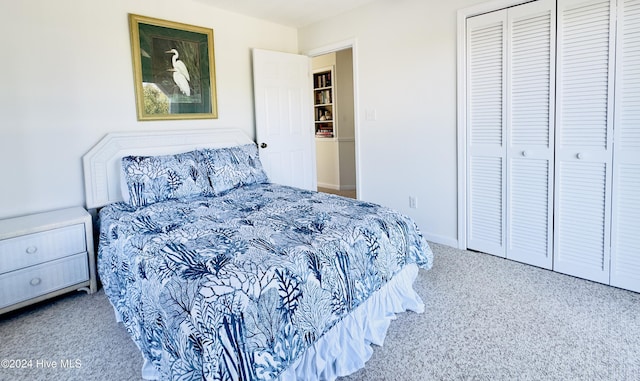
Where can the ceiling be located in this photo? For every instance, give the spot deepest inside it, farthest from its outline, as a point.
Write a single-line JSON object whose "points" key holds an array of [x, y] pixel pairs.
{"points": [[294, 13]]}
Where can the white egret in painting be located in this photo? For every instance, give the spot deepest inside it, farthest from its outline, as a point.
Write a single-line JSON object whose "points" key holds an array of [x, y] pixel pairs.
{"points": [[180, 73]]}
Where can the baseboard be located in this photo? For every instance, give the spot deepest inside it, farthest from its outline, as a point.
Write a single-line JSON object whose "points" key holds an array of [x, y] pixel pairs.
{"points": [[336, 187], [328, 186], [448, 241]]}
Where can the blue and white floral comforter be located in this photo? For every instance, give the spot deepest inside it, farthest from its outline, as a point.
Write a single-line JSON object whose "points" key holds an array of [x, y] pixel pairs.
{"points": [[238, 286]]}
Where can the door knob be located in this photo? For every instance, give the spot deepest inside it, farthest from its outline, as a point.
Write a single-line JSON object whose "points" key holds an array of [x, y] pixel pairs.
{"points": [[263, 145]]}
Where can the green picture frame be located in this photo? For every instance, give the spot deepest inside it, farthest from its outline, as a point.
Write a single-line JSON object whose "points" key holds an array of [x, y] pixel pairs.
{"points": [[174, 69]]}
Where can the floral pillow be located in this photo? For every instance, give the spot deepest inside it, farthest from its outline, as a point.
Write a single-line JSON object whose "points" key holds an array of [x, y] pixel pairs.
{"points": [[232, 167], [151, 179]]}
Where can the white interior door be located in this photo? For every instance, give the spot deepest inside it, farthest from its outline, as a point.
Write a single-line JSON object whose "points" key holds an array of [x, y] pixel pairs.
{"points": [[486, 132], [510, 139], [284, 117], [530, 132], [584, 138], [625, 245]]}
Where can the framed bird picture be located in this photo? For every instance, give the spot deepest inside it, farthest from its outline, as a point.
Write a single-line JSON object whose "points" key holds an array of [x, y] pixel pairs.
{"points": [[174, 69]]}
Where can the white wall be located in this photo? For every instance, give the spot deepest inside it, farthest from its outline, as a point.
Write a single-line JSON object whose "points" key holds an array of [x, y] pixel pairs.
{"points": [[406, 71], [67, 80]]}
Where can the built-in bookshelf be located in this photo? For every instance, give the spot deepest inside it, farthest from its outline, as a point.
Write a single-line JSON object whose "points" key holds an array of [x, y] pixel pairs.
{"points": [[324, 103]]}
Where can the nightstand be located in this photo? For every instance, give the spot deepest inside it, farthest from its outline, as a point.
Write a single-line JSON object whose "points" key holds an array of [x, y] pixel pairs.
{"points": [[44, 255]]}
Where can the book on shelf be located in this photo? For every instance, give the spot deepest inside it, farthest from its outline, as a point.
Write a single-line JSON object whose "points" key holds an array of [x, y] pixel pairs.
{"points": [[323, 97], [324, 130], [324, 134], [322, 80]]}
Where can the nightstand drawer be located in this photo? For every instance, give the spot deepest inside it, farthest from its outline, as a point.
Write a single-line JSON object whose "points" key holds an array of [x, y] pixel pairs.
{"points": [[31, 249], [38, 280]]}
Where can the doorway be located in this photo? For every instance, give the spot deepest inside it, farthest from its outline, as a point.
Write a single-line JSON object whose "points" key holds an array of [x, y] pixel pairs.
{"points": [[336, 154]]}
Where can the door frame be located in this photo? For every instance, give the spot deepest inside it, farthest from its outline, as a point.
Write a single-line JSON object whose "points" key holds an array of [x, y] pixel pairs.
{"points": [[462, 16], [331, 48]]}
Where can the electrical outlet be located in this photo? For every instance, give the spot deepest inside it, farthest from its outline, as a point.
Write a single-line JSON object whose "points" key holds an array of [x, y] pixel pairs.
{"points": [[413, 202]]}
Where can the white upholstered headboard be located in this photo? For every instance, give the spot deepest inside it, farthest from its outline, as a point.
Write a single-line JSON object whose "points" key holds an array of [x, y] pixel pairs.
{"points": [[102, 164]]}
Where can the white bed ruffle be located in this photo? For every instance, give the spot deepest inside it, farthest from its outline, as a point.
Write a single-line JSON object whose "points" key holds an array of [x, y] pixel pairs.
{"points": [[346, 347]]}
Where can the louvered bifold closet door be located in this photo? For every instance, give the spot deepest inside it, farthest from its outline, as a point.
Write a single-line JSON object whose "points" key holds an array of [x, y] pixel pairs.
{"points": [[585, 51], [530, 133], [486, 118], [510, 71], [625, 245]]}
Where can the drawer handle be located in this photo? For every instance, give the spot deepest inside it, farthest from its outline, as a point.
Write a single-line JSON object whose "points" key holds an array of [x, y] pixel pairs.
{"points": [[35, 281], [31, 249]]}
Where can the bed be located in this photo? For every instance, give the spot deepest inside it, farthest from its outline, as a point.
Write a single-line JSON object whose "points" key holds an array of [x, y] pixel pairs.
{"points": [[218, 274]]}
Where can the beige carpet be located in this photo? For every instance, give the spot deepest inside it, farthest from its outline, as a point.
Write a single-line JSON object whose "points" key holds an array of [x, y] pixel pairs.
{"points": [[486, 318]]}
